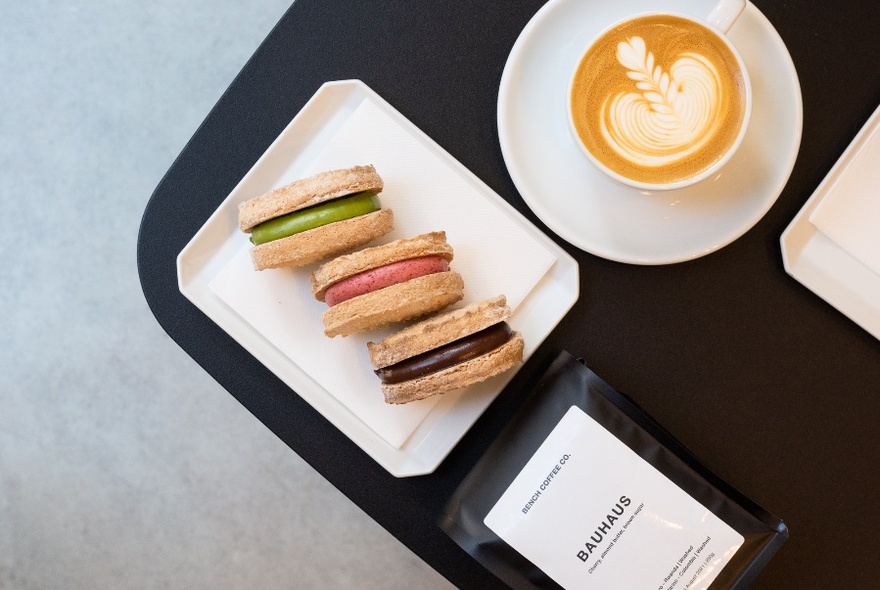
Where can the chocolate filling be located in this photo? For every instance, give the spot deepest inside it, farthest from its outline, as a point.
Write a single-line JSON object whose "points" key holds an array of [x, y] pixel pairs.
{"points": [[448, 355]]}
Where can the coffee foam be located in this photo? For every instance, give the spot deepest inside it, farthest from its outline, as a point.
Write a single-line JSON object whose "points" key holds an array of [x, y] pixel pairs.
{"points": [[658, 99]]}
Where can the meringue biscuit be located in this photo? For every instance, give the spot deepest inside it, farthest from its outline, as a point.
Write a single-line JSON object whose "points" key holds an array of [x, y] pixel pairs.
{"points": [[448, 351], [402, 280], [315, 218]]}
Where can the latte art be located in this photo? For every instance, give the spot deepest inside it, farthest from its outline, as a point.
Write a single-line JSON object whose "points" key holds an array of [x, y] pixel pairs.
{"points": [[670, 116], [658, 99]]}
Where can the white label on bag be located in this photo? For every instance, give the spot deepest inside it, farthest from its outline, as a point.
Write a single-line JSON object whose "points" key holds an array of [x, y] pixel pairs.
{"points": [[592, 514]]}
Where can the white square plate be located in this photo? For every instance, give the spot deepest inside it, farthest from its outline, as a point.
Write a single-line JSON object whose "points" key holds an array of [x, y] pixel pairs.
{"points": [[297, 148]]}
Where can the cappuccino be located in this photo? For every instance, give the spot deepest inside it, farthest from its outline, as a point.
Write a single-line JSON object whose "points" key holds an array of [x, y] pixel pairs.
{"points": [[659, 99]]}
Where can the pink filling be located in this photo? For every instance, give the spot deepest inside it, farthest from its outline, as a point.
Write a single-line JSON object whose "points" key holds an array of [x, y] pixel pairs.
{"points": [[383, 276]]}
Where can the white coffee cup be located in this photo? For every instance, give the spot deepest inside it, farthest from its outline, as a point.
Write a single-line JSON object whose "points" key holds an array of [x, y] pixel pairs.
{"points": [[662, 100]]}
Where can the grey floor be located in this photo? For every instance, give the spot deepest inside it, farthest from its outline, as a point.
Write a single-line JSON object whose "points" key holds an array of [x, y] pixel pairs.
{"points": [[122, 464]]}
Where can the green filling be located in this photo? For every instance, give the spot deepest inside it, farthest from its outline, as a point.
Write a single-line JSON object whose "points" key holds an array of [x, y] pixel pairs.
{"points": [[321, 214]]}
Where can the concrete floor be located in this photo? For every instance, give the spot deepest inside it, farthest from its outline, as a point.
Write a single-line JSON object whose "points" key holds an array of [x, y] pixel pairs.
{"points": [[122, 464]]}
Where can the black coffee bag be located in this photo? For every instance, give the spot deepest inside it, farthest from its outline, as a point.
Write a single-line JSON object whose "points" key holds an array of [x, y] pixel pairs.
{"points": [[583, 490]]}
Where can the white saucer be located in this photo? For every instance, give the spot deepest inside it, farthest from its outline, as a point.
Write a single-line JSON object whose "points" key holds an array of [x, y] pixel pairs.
{"points": [[599, 216]]}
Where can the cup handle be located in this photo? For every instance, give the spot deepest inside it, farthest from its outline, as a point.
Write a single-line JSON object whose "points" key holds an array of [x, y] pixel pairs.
{"points": [[725, 14]]}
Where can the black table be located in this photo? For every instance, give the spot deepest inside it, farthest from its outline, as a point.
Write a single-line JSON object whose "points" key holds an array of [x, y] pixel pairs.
{"points": [[788, 389]]}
